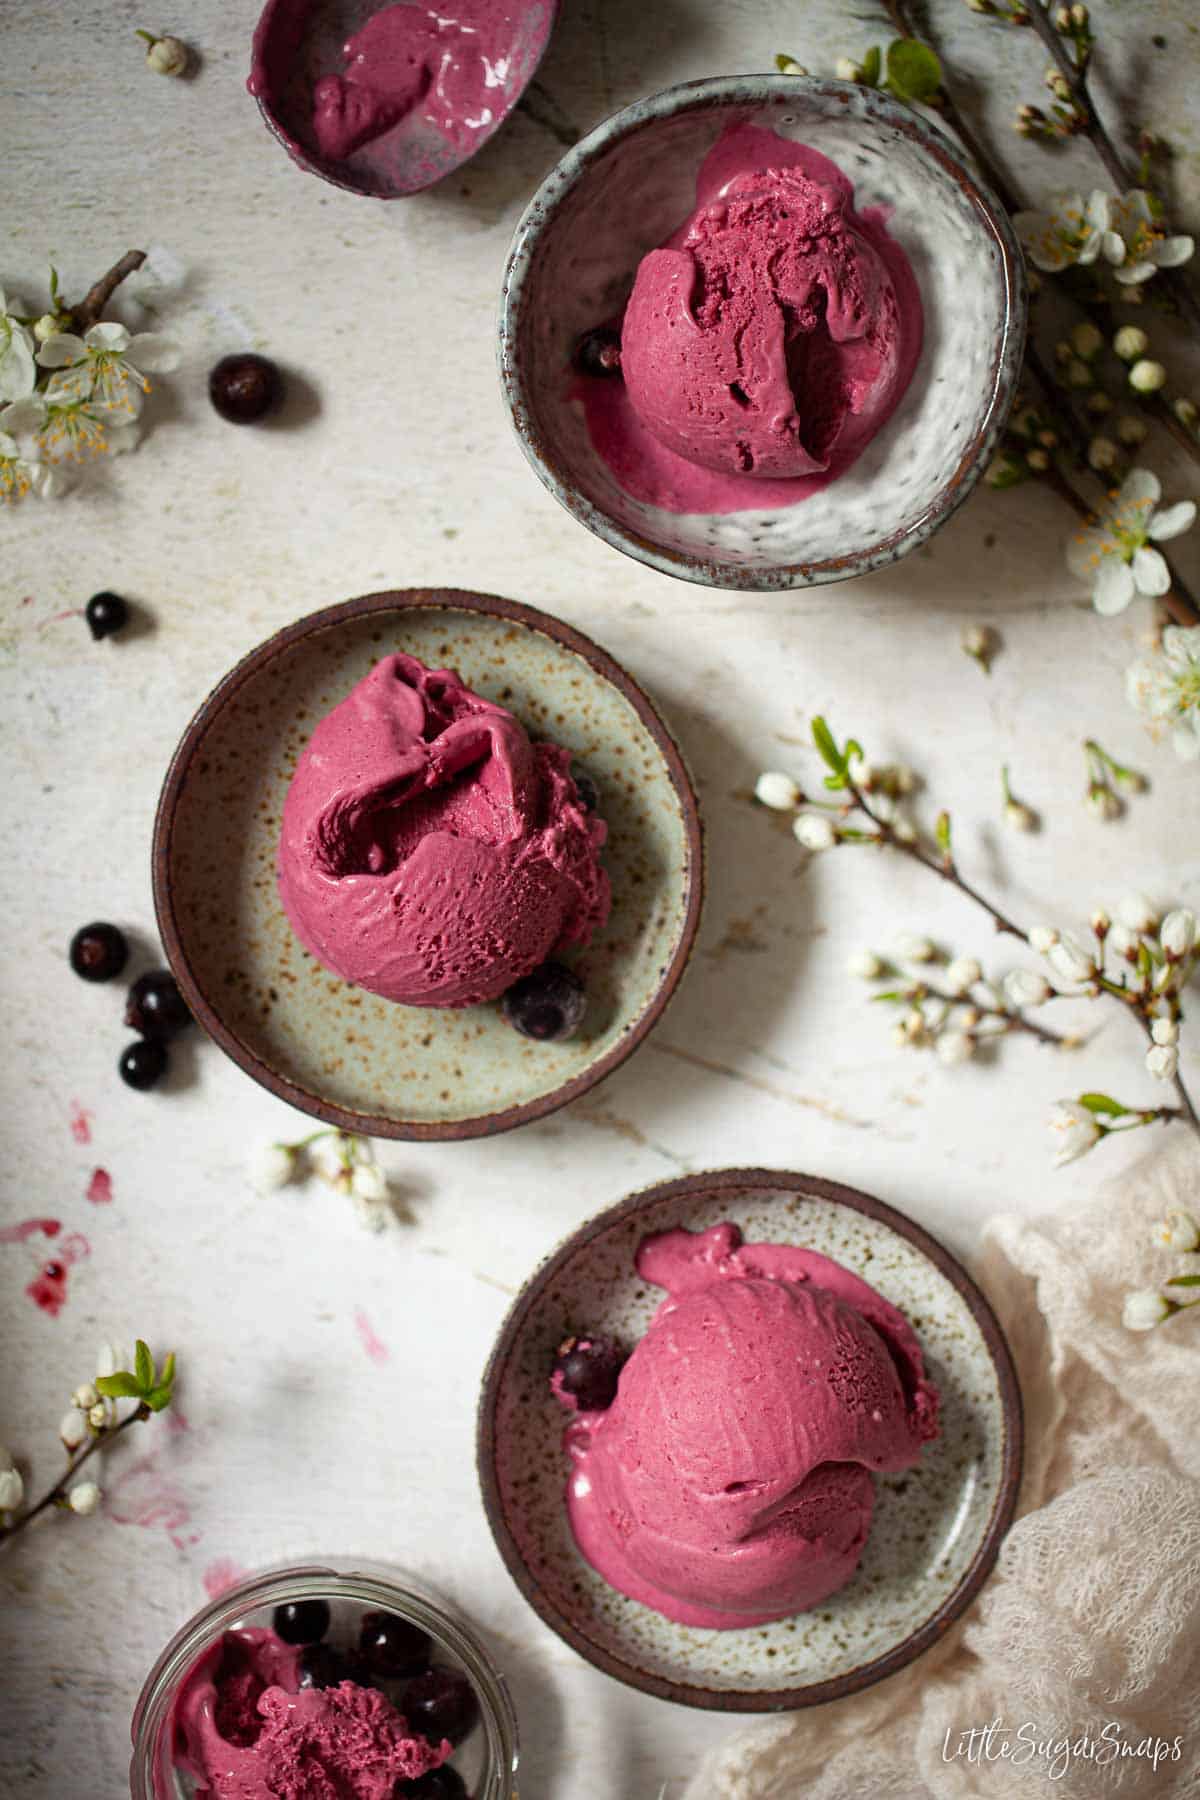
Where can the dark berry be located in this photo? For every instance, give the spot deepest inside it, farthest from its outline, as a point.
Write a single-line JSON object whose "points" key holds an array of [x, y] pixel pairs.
{"points": [[438, 1784], [440, 1704], [143, 1063], [98, 952], [321, 1666], [598, 352], [585, 787], [549, 1004], [392, 1646], [106, 613], [301, 1621], [244, 388], [156, 1007], [587, 1369]]}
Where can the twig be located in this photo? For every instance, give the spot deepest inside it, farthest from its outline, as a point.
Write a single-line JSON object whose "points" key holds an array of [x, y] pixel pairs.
{"points": [[60, 1487], [97, 297], [1012, 1021], [946, 867]]}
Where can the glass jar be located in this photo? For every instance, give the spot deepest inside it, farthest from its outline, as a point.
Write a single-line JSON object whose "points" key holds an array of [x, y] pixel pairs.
{"points": [[486, 1759]]}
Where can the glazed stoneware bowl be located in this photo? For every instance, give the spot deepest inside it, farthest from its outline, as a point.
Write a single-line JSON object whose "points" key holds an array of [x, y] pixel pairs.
{"points": [[296, 42], [344, 1055], [937, 1528], [624, 189]]}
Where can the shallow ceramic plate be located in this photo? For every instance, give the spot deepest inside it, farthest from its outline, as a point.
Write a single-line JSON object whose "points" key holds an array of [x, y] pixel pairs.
{"points": [[333, 1050], [571, 267], [937, 1528]]}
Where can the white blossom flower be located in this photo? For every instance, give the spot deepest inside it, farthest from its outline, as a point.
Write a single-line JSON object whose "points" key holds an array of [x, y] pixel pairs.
{"points": [[778, 791], [1075, 1129], [18, 371], [1138, 912], [1025, 987], [83, 1498], [1070, 961], [108, 1360], [962, 974], [73, 1428], [1162, 1061], [915, 948], [1177, 933], [955, 1047], [1143, 1310], [369, 1182], [1166, 686], [814, 832], [106, 367], [1043, 938], [274, 1165], [1178, 1231], [865, 965], [1165, 1031], [1114, 555], [1072, 231], [1147, 248], [12, 1490]]}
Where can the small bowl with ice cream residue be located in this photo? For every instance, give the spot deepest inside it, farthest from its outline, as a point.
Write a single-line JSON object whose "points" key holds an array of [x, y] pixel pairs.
{"points": [[848, 327], [336, 1050], [938, 1516], [291, 1636], [385, 100]]}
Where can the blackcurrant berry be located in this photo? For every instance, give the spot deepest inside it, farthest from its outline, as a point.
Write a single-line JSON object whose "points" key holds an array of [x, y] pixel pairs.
{"points": [[585, 787], [143, 1063], [98, 951], [244, 388], [321, 1666], [548, 1005], [301, 1621], [587, 1369], [156, 1007], [392, 1646], [106, 613], [598, 352], [438, 1784], [440, 1704]]}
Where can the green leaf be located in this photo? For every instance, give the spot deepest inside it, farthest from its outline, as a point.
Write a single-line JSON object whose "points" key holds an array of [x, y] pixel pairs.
{"points": [[54, 287], [157, 1398], [1103, 1103], [122, 1386], [143, 1365], [895, 995], [1183, 1280], [167, 1378], [871, 65], [826, 743], [913, 71], [942, 831]]}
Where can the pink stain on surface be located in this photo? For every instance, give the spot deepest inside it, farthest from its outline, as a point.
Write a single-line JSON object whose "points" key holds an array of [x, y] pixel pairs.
{"points": [[371, 1342], [17, 1234], [143, 1496], [100, 1188], [222, 1575], [48, 1289], [81, 1123]]}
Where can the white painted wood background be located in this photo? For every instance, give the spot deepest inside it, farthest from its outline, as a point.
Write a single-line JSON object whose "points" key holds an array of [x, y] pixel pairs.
{"points": [[395, 465]]}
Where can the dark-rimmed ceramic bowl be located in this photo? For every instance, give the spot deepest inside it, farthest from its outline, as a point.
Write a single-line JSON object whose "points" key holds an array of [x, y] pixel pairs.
{"points": [[346, 1056], [296, 42], [628, 185], [937, 1528]]}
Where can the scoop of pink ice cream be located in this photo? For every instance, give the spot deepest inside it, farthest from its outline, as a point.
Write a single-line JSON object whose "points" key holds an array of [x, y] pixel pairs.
{"points": [[429, 851], [244, 1732], [730, 1482], [766, 332]]}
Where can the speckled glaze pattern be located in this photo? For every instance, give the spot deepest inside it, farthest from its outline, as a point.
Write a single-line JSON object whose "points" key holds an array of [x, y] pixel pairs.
{"points": [[937, 1528], [413, 155], [627, 186], [345, 1055]]}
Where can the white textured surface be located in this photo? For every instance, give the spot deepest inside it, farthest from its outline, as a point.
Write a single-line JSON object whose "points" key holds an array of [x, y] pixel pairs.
{"points": [[399, 468]]}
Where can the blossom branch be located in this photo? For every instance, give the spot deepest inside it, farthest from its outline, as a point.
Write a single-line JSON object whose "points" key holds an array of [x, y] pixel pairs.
{"points": [[91, 307], [58, 1491]]}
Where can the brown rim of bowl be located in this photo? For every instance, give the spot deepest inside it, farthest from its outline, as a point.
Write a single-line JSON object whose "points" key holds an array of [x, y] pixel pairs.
{"points": [[731, 1181], [399, 600]]}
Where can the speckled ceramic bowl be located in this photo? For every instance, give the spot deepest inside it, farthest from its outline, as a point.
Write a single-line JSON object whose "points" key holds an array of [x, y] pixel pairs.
{"points": [[336, 1051], [626, 188], [937, 1528], [298, 41]]}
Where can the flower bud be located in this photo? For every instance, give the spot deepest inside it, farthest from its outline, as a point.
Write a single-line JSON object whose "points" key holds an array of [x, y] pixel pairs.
{"points": [[1043, 938], [168, 56], [1165, 1031], [978, 641], [12, 1490], [73, 1428], [1138, 912], [1102, 802], [1070, 961], [1098, 402], [1162, 1061], [905, 831], [865, 965], [1178, 1231], [1038, 460], [814, 832], [1075, 1130], [1177, 934], [369, 1182], [915, 949], [1019, 817], [1062, 19], [273, 1167], [1079, 373], [84, 1498], [1103, 454], [1025, 987], [1130, 343], [955, 1047], [1144, 1310], [98, 1416], [1087, 341], [962, 974], [1147, 377], [787, 65], [84, 1397], [846, 69], [777, 791], [1123, 942], [1186, 412], [1100, 922], [1079, 16]]}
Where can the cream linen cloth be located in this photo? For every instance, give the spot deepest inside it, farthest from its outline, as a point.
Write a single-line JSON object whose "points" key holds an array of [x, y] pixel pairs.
{"points": [[1091, 1619]]}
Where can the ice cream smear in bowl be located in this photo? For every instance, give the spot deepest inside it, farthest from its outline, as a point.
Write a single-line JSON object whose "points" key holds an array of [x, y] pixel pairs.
{"points": [[729, 1482], [749, 1440], [387, 99], [784, 357]]}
